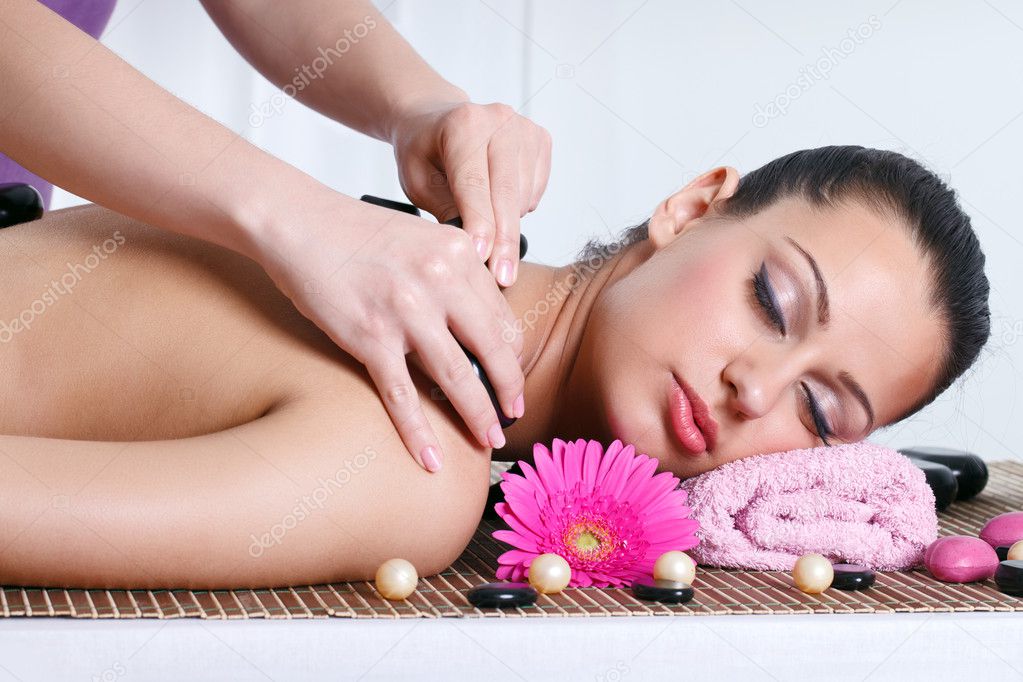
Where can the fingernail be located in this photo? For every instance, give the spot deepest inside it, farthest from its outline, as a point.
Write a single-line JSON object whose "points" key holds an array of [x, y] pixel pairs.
{"points": [[504, 272], [520, 406], [496, 436], [430, 458], [481, 246]]}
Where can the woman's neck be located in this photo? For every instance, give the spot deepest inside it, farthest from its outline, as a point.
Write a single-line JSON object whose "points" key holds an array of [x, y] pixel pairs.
{"points": [[552, 306]]}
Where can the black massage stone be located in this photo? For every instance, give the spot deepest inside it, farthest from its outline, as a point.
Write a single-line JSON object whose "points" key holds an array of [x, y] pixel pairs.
{"points": [[664, 591], [1002, 552], [19, 203], [1009, 577], [941, 480], [478, 369], [502, 594], [969, 469], [852, 577]]}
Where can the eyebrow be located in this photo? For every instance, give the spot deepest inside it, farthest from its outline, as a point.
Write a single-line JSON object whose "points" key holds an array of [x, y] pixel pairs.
{"points": [[823, 317], [823, 303]]}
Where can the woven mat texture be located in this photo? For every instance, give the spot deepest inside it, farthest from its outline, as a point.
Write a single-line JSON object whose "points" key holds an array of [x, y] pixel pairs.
{"points": [[718, 591]]}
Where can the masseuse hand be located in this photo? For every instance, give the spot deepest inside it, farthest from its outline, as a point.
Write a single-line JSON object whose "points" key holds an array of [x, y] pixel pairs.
{"points": [[482, 162], [381, 284]]}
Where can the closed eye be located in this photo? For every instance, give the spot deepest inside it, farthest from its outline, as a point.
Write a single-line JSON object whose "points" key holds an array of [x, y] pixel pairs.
{"points": [[767, 303], [764, 294], [819, 422]]}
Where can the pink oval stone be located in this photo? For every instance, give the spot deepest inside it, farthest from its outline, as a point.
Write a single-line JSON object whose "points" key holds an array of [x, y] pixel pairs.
{"points": [[960, 559], [1003, 529]]}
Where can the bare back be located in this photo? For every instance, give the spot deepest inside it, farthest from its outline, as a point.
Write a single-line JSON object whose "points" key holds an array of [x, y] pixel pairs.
{"points": [[111, 330]]}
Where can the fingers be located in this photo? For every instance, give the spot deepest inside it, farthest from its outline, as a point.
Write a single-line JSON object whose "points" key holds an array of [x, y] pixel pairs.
{"points": [[427, 188], [445, 361], [510, 328], [527, 173], [468, 172], [390, 374], [505, 178], [541, 169], [486, 337], [489, 166]]}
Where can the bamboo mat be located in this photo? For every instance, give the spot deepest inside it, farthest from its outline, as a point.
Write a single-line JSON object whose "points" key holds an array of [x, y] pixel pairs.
{"points": [[718, 591]]}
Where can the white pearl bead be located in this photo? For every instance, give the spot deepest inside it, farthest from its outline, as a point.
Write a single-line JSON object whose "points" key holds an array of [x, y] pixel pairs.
{"points": [[549, 573], [675, 565], [1016, 551], [813, 573], [396, 579]]}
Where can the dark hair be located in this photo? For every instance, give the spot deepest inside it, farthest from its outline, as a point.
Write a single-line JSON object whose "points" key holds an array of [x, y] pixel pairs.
{"points": [[889, 183]]}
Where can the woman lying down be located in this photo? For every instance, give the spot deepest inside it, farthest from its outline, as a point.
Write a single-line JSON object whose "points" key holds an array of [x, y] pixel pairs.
{"points": [[173, 422]]}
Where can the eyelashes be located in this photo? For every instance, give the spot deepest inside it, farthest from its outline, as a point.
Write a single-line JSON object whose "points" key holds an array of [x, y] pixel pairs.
{"points": [[815, 413], [767, 305], [765, 297]]}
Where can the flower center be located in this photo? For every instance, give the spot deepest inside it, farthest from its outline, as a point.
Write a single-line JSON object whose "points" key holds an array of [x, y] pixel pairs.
{"points": [[590, 537], [585, 541]]}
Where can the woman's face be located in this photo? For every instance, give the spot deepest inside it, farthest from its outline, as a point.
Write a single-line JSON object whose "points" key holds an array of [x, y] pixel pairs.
{"points": [[733, 309]]}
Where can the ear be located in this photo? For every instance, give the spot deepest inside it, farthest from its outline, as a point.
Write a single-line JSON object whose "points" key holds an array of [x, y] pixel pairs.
{"points": [[673, 215]]}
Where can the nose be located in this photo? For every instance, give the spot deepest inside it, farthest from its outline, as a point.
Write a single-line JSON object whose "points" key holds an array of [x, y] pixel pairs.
{"points": [[756, 382]]}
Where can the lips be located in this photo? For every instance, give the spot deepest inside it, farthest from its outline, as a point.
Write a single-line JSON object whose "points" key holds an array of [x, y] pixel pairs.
{"points": [[694, 427]]}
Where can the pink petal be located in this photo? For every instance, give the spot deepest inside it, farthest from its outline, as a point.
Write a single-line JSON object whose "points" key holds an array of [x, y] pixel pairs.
{"points": [[539, 492], [514, 556], [515, 540], [581, 579], [639, 480], [558, 454], [526, 531], [672, 526], [606, 462], [531, 520], [545, 470], [671, 503], [591, 462], [661, 484], [520, 496], [572, 466], [617, 476]]}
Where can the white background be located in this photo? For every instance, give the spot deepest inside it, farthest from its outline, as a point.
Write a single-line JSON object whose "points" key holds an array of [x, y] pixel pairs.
{"points": [[641, 96]]}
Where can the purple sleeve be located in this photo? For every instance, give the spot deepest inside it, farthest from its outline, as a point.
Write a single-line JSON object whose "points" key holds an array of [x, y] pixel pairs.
{"points": [[90, 16]]}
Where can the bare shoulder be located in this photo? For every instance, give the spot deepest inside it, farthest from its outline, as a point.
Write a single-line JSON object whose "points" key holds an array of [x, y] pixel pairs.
{"points": [[390, 507], [319, 490]]}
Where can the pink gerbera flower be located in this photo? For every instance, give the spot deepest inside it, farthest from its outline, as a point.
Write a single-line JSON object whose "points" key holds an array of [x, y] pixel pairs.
{"points": [[603, 512]]}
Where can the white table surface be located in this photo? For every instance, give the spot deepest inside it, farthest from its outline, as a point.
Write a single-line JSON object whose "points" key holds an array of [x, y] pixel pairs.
{"points": [[963, 646]]}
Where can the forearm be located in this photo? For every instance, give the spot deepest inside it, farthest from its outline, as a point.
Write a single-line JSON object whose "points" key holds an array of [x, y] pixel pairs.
{"points": [[75, 113], [341, 58], [295, 497]]}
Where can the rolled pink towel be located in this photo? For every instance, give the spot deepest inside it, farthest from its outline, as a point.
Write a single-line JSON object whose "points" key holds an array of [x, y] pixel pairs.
{"points": [[859, 503]]}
